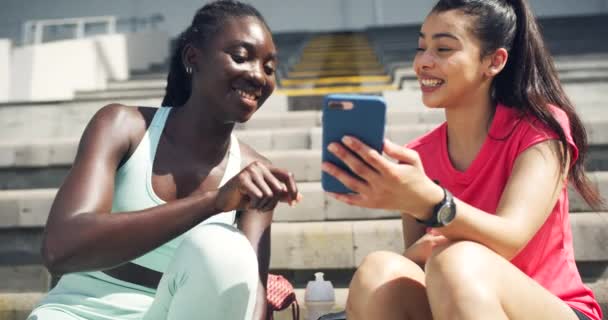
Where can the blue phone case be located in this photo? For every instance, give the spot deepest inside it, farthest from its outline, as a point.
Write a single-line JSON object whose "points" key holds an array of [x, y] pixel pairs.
{"points": [[365, 121]]}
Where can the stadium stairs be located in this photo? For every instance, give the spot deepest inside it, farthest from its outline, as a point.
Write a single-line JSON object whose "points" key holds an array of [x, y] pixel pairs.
{"points": [[38, 142]]}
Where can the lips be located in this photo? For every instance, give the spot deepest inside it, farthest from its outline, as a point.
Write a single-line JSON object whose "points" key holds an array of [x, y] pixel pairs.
{"points": [[430, 84], [248, 97]]}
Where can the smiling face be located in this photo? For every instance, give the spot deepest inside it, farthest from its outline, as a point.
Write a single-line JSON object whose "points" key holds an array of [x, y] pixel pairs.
{"points": [[448, 63], [236, 70]]}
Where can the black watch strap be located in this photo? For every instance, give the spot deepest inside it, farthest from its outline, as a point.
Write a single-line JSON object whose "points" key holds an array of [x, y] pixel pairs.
{"points": [[433, 221]]}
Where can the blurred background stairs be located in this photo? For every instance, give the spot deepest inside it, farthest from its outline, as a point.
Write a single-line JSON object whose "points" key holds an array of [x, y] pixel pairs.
{"points": [[38, 142]]}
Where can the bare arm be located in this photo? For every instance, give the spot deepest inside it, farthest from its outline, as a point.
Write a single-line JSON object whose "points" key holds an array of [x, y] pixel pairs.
{"points": [[256, 225], [81, 234], [412, 230], [526, 202], [528, 199]]}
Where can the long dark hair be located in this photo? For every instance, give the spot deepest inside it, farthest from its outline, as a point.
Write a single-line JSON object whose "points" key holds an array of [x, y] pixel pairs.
{"points": [[206, 23], [529, 81]]}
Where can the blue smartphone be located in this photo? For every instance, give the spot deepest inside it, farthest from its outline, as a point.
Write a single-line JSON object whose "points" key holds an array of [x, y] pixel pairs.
{"points": [[360, 116]]}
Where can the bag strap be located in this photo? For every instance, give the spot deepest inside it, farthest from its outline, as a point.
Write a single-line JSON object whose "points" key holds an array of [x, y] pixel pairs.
{"points": [[295, 311]]}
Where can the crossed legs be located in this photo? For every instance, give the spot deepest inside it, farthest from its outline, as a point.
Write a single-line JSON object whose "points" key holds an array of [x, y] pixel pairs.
{"points": [[463, 280]]}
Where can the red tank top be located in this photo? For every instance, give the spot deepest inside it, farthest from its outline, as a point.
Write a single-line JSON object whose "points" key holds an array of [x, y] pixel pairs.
{"points": [[548, 258]]}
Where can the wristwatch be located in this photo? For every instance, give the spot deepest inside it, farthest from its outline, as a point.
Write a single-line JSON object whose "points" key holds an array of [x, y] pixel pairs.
{"points": [[443, 213]]}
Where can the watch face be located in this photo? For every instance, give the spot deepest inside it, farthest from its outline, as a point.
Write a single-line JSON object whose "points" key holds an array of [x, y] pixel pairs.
{"points": [[445, 214]]}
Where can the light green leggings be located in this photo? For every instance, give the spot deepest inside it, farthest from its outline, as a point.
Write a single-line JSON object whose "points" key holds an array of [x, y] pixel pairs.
{"points": [[213, 275]]}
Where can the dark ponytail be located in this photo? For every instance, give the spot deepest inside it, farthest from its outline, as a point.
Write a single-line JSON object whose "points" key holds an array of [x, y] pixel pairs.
{"points": [[529, 81], [206, 23], [178, 80]]}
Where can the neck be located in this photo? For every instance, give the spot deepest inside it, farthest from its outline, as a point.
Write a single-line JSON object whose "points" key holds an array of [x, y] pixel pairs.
{"points": [[468, 123], [195, 127]]}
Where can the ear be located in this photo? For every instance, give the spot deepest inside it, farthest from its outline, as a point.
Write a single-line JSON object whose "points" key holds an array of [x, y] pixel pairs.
{"points": [[190, 56], [496, 62]]}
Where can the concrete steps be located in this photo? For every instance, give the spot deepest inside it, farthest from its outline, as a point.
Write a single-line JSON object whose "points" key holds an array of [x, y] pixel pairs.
{"points": [[571, 69], [48, 120], [44, 164], [403, 78], [328, 245], [331, 245], [17, 124], [38, 143], [30, 207], [16, 146], [16, 306]]}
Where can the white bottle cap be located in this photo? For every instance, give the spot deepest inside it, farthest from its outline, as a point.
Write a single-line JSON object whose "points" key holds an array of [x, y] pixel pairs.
{"points": [[319, 290]]}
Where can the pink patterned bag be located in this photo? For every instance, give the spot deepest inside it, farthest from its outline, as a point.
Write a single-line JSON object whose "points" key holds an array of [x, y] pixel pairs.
{"points": [[280, 295]]}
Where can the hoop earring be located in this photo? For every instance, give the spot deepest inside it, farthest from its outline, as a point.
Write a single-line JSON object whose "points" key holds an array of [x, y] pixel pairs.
{"points": [[189, 70]]}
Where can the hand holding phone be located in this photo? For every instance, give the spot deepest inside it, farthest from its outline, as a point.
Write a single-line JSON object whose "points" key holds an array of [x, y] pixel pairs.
{"points": [[360, 116]]}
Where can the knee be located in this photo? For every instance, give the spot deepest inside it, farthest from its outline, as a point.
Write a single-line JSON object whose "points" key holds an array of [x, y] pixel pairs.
{"points": [[217, 244], [385, 265], [381, 268], [457, 261], [455, 274], [382, 280]]}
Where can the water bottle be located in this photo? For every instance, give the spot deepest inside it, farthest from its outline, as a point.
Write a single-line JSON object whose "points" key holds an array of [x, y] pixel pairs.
{"points": [[319, 297]]}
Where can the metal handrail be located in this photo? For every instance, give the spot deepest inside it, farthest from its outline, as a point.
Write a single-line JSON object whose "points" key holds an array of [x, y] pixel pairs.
{"points": [[33, 30]]}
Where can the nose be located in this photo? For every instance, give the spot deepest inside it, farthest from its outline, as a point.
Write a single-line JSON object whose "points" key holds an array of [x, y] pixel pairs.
{"points": [[256, 74], [424, 60]]}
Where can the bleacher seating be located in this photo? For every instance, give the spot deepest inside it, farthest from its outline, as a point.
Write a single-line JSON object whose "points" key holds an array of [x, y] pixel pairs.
{"points": [[38, 142], [396, 46]]}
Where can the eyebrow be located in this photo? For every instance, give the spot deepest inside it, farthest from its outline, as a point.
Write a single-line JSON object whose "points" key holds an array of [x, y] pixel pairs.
{"points": [[440, 35]]}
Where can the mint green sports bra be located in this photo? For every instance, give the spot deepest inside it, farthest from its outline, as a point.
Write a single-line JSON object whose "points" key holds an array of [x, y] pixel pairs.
{"points": [[133, 188]]}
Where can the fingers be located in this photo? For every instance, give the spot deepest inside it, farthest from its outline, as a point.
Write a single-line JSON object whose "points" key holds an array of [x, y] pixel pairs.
{"points": [[268, 186], [355, 164], [371, 157], [289, 181], [402, 154], [251, 190], [355, 184], [351, 199]]}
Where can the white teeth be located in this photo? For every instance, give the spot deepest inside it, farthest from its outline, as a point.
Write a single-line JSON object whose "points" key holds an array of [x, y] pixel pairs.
{"points": [[431, 82], [246, 95]]}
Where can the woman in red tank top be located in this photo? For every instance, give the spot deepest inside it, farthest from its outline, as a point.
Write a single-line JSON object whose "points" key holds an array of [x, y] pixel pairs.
{"points": [[483, 196]]}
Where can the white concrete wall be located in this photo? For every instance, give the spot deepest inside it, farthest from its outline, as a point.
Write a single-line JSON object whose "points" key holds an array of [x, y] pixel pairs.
{"points": [[21, 74], [112, 52], [81, 64], [146, 48], [5, 62], [282, 15], [35, 70]]}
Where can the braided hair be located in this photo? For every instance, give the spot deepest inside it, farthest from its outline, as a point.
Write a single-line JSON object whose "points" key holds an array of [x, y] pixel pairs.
{"points": [[207, 21]]}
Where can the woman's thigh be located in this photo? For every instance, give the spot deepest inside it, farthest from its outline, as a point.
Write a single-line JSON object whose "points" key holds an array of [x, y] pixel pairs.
{"points": [[388, 286], [52, 314], [467, 268]]}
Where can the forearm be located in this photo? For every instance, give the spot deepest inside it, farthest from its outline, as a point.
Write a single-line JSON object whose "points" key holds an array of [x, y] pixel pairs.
{"points": [[500, 234], [256, 226], [412, 230], [261, 304], [262, 312], [263, 265], [109, 239]]}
